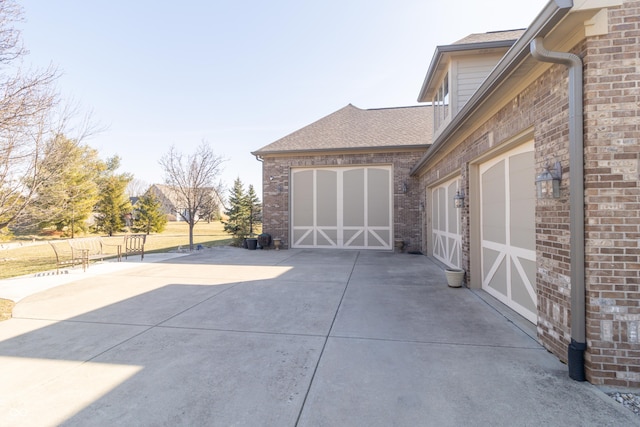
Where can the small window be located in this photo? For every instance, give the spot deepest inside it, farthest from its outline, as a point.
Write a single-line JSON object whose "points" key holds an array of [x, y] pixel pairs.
{"points": [[441, 103]]}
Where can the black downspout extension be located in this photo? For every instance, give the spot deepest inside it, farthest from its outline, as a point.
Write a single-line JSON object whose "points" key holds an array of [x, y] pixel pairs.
{"points": [[578, 345]]}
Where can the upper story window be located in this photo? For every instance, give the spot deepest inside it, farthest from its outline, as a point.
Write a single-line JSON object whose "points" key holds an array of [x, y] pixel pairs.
{"points": [[441, 103]]}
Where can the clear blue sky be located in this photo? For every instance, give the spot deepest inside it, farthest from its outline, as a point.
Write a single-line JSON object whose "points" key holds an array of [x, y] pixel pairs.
{"points": [[241, 74]]}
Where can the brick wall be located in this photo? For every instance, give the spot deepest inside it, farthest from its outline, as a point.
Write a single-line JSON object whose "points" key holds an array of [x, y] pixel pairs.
{"points": [[541, 108], [612, 197], [276, 174], [612, 200]]}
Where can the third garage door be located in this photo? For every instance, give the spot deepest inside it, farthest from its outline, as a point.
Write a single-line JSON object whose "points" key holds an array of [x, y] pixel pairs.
{"points": [[347, 207]]}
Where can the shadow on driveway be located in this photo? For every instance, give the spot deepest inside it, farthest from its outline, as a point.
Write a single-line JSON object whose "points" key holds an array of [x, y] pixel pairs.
{"points": [[283, 338]]}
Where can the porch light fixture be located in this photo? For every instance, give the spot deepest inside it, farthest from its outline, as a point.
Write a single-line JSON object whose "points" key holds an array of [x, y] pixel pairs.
{"points": [[458, 199], [405, 187], [548, 182]]}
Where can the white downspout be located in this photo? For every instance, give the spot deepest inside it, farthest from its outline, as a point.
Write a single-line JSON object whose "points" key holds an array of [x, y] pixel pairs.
{"points": [[576, 201]]}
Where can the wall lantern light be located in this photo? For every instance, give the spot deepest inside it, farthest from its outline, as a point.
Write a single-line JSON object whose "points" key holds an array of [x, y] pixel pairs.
{"points": [[458, 199], [548, 182], [405, 187]]}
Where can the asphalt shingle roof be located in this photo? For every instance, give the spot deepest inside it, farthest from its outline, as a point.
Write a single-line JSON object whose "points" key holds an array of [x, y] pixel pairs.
{"points": [[353, 128], [493, 36]]}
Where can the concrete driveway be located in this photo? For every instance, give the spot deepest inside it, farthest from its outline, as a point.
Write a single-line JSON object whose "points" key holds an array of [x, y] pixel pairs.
{"points": [[230, 337]]}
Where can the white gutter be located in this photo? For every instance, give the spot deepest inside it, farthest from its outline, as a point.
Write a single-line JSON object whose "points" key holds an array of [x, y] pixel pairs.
{"points": [[576, 201]]}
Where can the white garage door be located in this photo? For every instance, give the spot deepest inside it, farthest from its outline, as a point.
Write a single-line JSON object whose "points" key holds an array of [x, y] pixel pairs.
{"points": [[445, 224], [348, 207], [508, 230]]}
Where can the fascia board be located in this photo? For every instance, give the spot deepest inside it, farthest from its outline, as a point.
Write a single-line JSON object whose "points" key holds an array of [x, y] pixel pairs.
{"points": [[347, 150]]}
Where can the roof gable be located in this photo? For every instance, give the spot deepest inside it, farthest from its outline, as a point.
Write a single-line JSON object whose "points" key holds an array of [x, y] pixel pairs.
{"points": [[352, 128], [494, 41]]}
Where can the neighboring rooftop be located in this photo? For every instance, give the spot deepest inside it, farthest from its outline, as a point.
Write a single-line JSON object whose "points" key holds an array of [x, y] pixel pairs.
{"points": [[492, 36], [353, 128]]}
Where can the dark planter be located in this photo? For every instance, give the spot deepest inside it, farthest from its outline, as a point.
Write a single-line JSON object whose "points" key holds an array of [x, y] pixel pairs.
{"points": [[264, 240], [252, 244]]}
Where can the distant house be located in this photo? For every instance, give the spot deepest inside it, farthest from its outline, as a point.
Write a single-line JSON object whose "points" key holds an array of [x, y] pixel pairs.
{"points": [[174, 206], [469, 179]]}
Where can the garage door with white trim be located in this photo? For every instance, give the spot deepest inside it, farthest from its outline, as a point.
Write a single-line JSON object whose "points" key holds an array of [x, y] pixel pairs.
{"points": [[347, 207], [445, 224], [507, 195]]}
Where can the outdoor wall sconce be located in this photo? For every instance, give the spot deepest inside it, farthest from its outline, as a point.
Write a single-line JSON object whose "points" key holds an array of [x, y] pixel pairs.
{"points": [[405, 187], [458, 199], [548, 182]]}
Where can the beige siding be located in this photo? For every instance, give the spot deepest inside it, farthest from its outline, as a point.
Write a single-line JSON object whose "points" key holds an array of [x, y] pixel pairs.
{"points": [[471, 72]]}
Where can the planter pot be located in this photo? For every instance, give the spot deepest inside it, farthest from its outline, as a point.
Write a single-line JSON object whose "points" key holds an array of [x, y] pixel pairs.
{"points": [[277, 243], [264, 240], [455, 277], [252, 244]]}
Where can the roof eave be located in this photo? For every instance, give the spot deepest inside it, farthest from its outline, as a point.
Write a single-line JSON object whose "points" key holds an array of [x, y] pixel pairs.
{"points": [[340, 149], [550, 16]]}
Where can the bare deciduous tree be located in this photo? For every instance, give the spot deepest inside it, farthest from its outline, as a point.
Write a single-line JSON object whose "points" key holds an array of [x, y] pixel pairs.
{"points": [[29, 119], [137, 187], [193, 178]]}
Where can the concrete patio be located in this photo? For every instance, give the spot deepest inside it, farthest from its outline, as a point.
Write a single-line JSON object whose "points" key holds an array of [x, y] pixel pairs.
{"points": [[228, 337]]}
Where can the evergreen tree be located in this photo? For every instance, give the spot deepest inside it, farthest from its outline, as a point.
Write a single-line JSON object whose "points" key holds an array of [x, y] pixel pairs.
{"points": [[255, 209], [237, 223], [113, 203], [66, 199], [149, 216], [244, 213]]}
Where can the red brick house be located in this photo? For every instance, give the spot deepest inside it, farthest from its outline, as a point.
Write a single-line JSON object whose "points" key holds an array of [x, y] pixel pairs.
{"points": [[507, 107]]}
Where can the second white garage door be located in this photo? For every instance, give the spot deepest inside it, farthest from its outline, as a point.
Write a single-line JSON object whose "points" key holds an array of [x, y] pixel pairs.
{"points": [[347, 207]]}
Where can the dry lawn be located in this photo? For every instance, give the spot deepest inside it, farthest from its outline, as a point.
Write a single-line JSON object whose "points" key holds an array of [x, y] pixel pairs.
{"points": [[35, 257], [6, 306]]}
